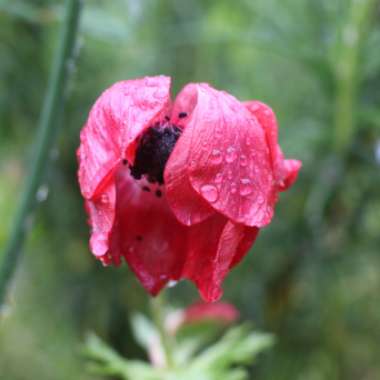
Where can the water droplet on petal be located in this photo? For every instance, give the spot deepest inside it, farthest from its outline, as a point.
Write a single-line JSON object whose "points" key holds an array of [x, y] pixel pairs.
{"points": [[104, 198], [216, 156], [231, 154], [245, 187], [219, 178], [243, 160], [260, 199], [210, 192]]}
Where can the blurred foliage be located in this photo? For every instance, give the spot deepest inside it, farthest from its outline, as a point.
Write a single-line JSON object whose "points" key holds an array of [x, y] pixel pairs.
{"points": [[224, 358], [312, 278]]}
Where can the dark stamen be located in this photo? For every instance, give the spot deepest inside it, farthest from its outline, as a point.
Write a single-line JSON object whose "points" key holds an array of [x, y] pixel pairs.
{"points": [[139, 237], [153, 151], [181, 115], [167, 118], [146, 188], [158, 193], [125, 162]]}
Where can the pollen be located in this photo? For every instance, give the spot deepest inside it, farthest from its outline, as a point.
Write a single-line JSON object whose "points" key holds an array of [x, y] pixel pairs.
{"points": [[153, 151]]}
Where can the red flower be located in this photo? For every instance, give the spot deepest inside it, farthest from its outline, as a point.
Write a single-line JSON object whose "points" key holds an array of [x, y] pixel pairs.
{"points": [[218, 311], [179, 190]]}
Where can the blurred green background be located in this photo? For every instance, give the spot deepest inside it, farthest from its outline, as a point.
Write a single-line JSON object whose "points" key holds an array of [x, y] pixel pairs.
{"points": [[313, 276]]}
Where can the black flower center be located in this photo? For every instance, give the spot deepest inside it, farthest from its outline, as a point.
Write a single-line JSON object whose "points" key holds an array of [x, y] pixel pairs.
{"points": [[153, 151]]}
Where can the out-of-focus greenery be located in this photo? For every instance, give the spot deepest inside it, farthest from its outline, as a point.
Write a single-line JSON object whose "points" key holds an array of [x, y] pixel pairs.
{"points": [[313, 276]]}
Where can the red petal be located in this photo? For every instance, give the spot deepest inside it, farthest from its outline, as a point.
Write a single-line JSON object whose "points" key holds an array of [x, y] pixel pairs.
{"points": [[219, 311], [147, 234], [249, 235], [228, 160], [291, 169], [101, 214], [119, 115], [213, 245], [188, 207], [285, 171]]}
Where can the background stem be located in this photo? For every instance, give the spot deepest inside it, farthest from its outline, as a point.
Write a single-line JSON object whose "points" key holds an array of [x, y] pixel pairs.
{"points": [[158, 314], [46, 134], [347, 66]]}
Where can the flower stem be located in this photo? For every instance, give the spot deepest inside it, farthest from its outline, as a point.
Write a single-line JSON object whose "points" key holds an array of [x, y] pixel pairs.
{"points": [[46, 134], [158, 314], [347, 71]]}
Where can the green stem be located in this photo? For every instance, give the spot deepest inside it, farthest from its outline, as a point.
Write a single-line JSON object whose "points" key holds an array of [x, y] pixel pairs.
{"points": [[46, 134], [158, 314], [347, 64]]}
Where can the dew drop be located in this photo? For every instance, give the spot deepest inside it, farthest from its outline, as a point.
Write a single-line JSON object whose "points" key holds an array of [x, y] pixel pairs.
{"points": [[216, 156], [231, 154], [245, 187], [104, 199], [219, 178], [243, 161], [260, 199], [210, 192]]}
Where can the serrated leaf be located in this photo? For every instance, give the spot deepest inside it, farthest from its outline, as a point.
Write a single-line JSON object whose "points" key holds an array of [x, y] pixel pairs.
{"points": [[109, 362], [238, 346]]}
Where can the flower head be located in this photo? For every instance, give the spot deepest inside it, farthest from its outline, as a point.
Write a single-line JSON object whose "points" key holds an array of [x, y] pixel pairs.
{"points": [[180, 190]]}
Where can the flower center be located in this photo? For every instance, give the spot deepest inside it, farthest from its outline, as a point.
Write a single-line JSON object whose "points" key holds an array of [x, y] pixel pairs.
{"points": [[153, 151]]}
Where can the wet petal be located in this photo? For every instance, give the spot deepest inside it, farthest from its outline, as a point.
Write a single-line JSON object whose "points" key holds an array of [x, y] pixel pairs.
{"points": [[248, 237], [119, 115], [188, 207], [285, 171], [213, 245], [146, 233], [291, 169], [228, 159], [101, 214]]}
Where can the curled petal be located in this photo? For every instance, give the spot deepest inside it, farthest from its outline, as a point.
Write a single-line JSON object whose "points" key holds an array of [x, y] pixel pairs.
{"points": [[187, 205], [213, 246], [101, 214], [249, 235], [291, 169], [228, 160], [285, 171], [119, 115]]}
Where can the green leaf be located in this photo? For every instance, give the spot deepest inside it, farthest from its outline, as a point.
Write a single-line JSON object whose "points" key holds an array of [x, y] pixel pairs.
{"points": [[238, 346], [143, 330], [106, 361]]}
